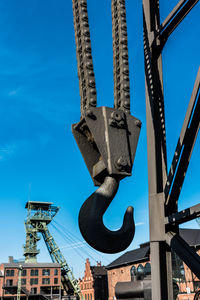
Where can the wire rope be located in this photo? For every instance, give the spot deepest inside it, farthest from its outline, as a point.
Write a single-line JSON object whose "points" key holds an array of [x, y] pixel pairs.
{"points": [[72, 239], [64, 229], [67, 240]]}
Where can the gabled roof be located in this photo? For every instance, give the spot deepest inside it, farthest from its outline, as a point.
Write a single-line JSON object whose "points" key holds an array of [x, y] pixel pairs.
{"points": [[191, 236]]}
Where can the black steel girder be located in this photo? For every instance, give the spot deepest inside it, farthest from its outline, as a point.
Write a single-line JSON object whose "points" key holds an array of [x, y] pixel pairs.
{"points": [[183, 216], [183, 150], [175, 18], [185, 252]]}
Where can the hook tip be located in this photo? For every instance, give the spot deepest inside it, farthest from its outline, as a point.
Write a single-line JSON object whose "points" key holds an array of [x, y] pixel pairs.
{"points": [[91, 221]]}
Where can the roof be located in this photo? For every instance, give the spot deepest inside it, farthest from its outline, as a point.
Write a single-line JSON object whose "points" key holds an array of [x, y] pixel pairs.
{"points": [[191, 236], [31, 265], [98, 270], [38, 203], [131, 257]]}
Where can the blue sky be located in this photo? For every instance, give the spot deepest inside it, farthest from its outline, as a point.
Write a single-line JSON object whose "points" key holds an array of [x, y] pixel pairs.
{"points": [[39, 100]]}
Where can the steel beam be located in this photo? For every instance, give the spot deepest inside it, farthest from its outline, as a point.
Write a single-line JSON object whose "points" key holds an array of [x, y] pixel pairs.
{"points": [[164, 191], [183, 150], [157, 163], [185, 252], [183, 216], [175, 18]]}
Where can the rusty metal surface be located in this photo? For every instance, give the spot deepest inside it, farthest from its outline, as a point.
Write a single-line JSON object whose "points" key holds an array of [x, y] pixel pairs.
{"points": [[87, 85], [107, 137], [120, 56], [164, 191]]}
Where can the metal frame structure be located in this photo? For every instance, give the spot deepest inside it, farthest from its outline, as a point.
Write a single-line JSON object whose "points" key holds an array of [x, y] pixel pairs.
{"points": [[39, 215], [107, 137], [164, 187]]}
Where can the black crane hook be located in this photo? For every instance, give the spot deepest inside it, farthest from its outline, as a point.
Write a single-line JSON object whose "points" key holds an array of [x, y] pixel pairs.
{"points": [[107, 137], [91, 220]]}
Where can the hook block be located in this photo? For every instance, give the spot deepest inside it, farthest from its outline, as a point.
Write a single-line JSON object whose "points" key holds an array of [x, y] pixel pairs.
{"points": [[107, 139]]}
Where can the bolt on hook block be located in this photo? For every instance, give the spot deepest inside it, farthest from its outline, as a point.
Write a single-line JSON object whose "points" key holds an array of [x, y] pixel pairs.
{"points": [[107, 137]]}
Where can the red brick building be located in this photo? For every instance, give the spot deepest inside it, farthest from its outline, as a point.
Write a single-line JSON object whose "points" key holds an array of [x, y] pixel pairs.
{"points": [[37, 280], [94, 284], [135, 264]]}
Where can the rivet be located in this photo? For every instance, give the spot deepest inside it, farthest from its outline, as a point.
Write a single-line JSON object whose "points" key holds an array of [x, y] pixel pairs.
{"points": [[121, 162], [138, 123]]}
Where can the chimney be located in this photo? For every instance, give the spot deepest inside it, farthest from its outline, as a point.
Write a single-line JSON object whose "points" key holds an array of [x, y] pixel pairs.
{"points": [[10, 259]]}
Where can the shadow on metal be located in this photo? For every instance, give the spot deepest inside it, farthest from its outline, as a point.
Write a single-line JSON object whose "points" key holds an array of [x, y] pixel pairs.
{"points": [[91, 220], [138, 290]]}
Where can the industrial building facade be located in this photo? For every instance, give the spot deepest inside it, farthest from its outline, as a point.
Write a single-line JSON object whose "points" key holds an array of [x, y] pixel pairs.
{"points": [[94, 284], [135, 264], [36, 280]]}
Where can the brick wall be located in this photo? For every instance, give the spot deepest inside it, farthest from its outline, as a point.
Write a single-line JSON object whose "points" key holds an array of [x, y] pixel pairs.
{"points": [[5, 279], [122, 274], [119, 275], [93, 285], [87, 283]]}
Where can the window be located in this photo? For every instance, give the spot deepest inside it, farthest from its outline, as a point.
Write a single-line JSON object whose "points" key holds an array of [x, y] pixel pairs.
{"points": [[55, 280], [55, 272], [34, 272], [33, 281], [147, 269], [9, 282], [10, 272], [23, 281], [140, 272], [34, 290], [23, 272], [7, 292], [46, 272], [178, 270], [45, 280], [196, 285], [133, 273]]}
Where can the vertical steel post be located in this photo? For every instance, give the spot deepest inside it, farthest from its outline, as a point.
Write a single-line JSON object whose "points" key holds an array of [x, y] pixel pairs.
{"points": [[157, 160]]}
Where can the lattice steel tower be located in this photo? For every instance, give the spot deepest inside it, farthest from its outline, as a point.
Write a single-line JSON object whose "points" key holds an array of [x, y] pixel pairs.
{"points": [[39, 215]]}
